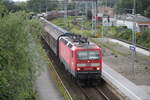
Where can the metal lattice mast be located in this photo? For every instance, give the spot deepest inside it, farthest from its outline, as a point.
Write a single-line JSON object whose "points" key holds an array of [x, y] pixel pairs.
{"points": [[94, 16], [86, 8], [94, 13], [81, 8], [76, 9]]}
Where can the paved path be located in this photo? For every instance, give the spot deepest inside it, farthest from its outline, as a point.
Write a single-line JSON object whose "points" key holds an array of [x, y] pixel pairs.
{"points": [[46, 87]]}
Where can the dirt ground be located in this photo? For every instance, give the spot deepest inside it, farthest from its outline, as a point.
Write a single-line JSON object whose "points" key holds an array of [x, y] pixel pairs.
{"points": [[119, 58]]}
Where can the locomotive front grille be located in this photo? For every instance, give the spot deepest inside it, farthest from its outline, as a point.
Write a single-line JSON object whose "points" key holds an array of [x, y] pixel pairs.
{"points": [[88, 64]]}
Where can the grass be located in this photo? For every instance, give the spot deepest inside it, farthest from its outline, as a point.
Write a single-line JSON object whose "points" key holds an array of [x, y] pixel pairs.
{"points": [[87, 26]]}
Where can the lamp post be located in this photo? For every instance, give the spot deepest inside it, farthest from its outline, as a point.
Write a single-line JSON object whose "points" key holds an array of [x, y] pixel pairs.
{"points": [[133, 39]]}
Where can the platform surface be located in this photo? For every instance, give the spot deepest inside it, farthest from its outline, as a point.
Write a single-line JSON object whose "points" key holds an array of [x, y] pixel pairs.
{"points": [[138, 49], [46, 88], [130, 90]]}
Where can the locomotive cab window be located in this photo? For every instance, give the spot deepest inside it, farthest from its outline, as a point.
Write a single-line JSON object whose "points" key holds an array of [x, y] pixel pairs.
{"points": [[88, 55]]}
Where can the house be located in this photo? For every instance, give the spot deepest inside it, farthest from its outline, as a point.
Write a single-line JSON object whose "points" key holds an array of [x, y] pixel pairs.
{"points": [[105, 11], [141, 23]]}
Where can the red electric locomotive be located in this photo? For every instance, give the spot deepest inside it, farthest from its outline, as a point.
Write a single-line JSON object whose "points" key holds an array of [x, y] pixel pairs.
{"points": [[82, 58]]}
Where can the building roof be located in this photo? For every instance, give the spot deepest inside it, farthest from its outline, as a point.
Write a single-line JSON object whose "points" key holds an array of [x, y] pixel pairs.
{"points": [[134, 18]]}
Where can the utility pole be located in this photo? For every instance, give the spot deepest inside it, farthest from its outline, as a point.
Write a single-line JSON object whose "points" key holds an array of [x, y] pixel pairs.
{"points": [[86, 8], [46, 6], [65, 11], [76, 8]]}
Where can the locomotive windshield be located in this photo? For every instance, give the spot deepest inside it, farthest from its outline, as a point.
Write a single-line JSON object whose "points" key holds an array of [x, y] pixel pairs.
{"points": [[88, 55]]}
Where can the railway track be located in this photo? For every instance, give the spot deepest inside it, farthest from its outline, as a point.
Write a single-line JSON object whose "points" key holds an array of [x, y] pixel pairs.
{"points": [[92, 93], [101, 92]]}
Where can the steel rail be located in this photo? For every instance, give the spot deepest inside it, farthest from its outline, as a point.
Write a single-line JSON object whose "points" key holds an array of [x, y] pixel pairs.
{"points": [[101, 92]]}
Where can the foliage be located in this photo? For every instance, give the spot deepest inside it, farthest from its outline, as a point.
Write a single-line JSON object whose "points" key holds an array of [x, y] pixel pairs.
{"points": [[147, 12], [144, 39], [123, 6], [3, 10], [12, 7], [42, 5], [74, 28], [71, 6], [21, 56]]}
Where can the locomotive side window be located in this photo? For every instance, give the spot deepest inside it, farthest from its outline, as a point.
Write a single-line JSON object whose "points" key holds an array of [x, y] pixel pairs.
{"points": [[70, 45], [88, 55], [64, 41]]}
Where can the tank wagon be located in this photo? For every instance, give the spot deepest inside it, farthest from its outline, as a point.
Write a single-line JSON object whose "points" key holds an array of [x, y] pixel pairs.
{"points": [[82, 58]]}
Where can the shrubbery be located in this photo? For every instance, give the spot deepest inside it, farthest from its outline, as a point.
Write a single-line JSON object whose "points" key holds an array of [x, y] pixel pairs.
{"points": [[74, 28], [21, 56], [142, 38], [122, 32]]}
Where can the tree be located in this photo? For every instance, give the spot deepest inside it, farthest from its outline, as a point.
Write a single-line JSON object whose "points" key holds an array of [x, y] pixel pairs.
{"points": [[21, 56], [42, 5], [3, 10], [147, 12], [123, 6], [11, 6]]}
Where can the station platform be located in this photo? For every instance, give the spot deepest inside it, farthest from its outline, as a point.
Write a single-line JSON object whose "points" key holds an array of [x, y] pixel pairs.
{"points": [[138, 49], [126, 88], [46, 88]]}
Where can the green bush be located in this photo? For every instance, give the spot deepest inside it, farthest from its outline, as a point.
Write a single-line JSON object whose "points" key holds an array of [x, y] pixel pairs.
{"points": [[3, 10], [126, 34], [21, 56], [115, 32], [144, 39]]}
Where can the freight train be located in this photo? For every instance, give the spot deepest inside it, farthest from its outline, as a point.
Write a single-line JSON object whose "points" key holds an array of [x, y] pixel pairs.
{"points": [[81, 58], [55, 14]]}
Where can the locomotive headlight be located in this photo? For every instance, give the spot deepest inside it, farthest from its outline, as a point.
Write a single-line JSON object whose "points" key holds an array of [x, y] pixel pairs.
{"points": [[78, 69], [81, 65], [98, 68]]}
